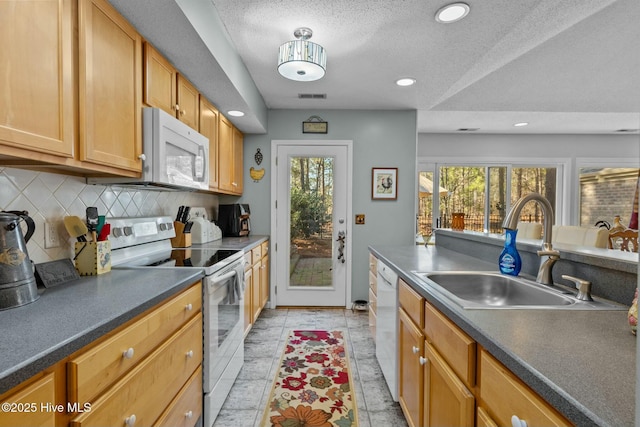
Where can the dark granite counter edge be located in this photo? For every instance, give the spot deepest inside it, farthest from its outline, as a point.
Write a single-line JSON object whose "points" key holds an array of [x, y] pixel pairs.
{"points": [[563, 402], [40, 362]]}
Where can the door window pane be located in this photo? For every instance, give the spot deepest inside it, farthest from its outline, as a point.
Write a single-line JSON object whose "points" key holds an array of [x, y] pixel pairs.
{"points": [[533, 180], [497, 197], [311, 231], [465, 194]]}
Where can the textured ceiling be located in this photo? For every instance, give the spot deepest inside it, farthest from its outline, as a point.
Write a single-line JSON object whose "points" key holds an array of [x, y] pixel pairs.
{"points": [[564, 66]]}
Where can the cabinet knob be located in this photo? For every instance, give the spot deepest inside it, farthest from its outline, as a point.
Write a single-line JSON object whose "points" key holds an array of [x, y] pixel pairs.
{"points": [[415, 349], [183, 112], [517, 422], [176, 107], [189, 414], [189, 354], [423, 361], [142, 157], [188, 307], [235, 184], [130, 420], [128, 354]]}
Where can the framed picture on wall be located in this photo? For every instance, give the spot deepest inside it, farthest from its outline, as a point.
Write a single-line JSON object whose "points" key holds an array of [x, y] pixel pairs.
{"points": [[384, 183]]}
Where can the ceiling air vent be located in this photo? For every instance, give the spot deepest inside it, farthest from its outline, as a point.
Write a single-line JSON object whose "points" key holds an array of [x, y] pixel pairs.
{"points": [[312, 95], [468, 129]]}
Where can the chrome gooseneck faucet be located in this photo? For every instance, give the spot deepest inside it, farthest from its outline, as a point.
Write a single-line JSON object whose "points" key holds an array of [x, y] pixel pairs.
{"points": [[548, 255]]}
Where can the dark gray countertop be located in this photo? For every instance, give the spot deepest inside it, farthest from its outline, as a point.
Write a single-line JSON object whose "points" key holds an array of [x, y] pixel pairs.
{"points": [[582, 362], [67, 317]]}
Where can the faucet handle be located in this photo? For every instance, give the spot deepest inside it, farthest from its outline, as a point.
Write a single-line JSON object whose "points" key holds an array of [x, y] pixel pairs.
{"points": [[583, 286], [552, 253]]}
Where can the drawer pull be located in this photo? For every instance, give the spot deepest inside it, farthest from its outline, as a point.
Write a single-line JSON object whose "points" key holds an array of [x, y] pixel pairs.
{"points": [[415, 350], [128, 354], [188, 307], [517, 422], [188, 415], [130, 420], [423, 361], [190, 354]]}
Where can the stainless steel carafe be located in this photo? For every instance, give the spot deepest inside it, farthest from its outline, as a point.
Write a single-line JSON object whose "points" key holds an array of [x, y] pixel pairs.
{"points": [[17, 281]]}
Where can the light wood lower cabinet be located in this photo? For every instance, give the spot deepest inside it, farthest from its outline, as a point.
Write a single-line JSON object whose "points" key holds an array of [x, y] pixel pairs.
{"points": [[144, 393], [447, 401], [186, 408], [445, 379], [257, 283], [25, 406], [410, 385], [503, 396]]}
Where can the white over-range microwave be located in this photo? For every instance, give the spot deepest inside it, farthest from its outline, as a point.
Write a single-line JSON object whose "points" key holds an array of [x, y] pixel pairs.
{"points": [[173, 155]]}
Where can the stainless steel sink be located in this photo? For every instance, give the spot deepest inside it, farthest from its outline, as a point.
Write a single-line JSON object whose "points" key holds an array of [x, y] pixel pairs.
{"points": [[486, 290]]}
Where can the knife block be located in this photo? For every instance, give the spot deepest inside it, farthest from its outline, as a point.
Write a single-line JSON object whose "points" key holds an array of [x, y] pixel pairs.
{"points": [[182, 239]]}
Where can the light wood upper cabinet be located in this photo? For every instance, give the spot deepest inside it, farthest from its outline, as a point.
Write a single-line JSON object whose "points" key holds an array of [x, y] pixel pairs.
{"points": [[225, 151], [209, 117], [37, 108], [238, 154], [160, 81], [110, 87], [168, 90], [188, 102]]}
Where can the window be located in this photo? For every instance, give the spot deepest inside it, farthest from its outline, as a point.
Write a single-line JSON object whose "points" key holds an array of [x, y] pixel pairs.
{"points": [[483, 193], [606, 192]]}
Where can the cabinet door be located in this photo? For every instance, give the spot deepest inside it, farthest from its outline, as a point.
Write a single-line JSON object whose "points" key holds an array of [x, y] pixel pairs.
{"points": [[110, 87], [248, 312], [209, 128], [188, 102], [264, 281], [238, 153], [225, 154], [27, 405], [37, 108], [410, 387], [160, 79], [447, 402], [255, 296]]}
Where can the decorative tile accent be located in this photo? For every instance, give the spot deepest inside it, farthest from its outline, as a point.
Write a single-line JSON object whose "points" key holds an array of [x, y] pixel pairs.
{"points": [[49, 197]]}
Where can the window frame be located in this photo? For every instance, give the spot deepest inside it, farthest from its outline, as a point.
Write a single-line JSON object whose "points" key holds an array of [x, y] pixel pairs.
{"points": [[565, 191]]}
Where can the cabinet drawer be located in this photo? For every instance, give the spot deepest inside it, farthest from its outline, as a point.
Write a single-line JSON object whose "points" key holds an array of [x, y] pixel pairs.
{"points": [[411, 302], [256, 253], [504, 395], [456, 347], [27, 403], [93, 371], [247, 261], [373, 282], [373, 264], [186, 408], [373, 301], [151, 386], [265, 248]]}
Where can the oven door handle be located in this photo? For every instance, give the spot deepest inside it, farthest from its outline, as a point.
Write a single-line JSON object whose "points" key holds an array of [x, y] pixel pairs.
{"points": [[220, 279]]}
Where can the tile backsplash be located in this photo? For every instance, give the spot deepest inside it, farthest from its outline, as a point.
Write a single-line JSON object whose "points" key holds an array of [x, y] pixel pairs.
{"points": [[49, 197]]}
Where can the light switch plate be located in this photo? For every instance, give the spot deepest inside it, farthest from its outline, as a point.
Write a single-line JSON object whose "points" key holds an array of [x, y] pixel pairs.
{"points": [[359, 219]]}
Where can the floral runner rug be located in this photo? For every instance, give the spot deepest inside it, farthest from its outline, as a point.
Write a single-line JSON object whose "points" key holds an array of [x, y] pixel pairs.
{"points": [[313, 386]]}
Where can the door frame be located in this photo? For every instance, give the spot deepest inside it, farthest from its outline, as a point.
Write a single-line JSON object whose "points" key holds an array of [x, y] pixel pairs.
{"points": [[275, 143]]}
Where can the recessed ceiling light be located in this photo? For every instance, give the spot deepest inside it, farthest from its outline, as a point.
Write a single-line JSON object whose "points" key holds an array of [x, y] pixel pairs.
{"points": [[406, 81], [452, 12], [521, 124], [235, 113]]}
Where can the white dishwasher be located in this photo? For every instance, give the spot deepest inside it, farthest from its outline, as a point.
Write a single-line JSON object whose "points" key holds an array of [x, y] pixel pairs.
{"points": [[387, 326]]}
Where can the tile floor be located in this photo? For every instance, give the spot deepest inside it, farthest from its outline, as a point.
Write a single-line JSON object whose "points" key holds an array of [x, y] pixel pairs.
{"points": [[263, 347]]}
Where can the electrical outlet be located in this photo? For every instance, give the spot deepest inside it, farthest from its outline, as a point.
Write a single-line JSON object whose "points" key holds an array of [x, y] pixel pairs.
{"points": [[51, 236]]}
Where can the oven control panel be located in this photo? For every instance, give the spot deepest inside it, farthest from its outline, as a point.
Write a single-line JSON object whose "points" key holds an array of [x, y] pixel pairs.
{"points": [[129, 231]]}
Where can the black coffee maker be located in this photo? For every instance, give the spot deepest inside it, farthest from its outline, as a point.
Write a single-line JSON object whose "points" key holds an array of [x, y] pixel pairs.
{"points": [[234, 220]]}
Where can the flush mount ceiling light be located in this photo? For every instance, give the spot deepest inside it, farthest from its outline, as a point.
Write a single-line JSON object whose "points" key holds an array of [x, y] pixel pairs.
{"points": [[452, 12], [300, 59], [521, 124], [235, 113], [406, 81]]}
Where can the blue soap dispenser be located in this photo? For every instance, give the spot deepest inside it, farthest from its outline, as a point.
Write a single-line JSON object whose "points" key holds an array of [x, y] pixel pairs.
{"points": [[509, 261]]}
